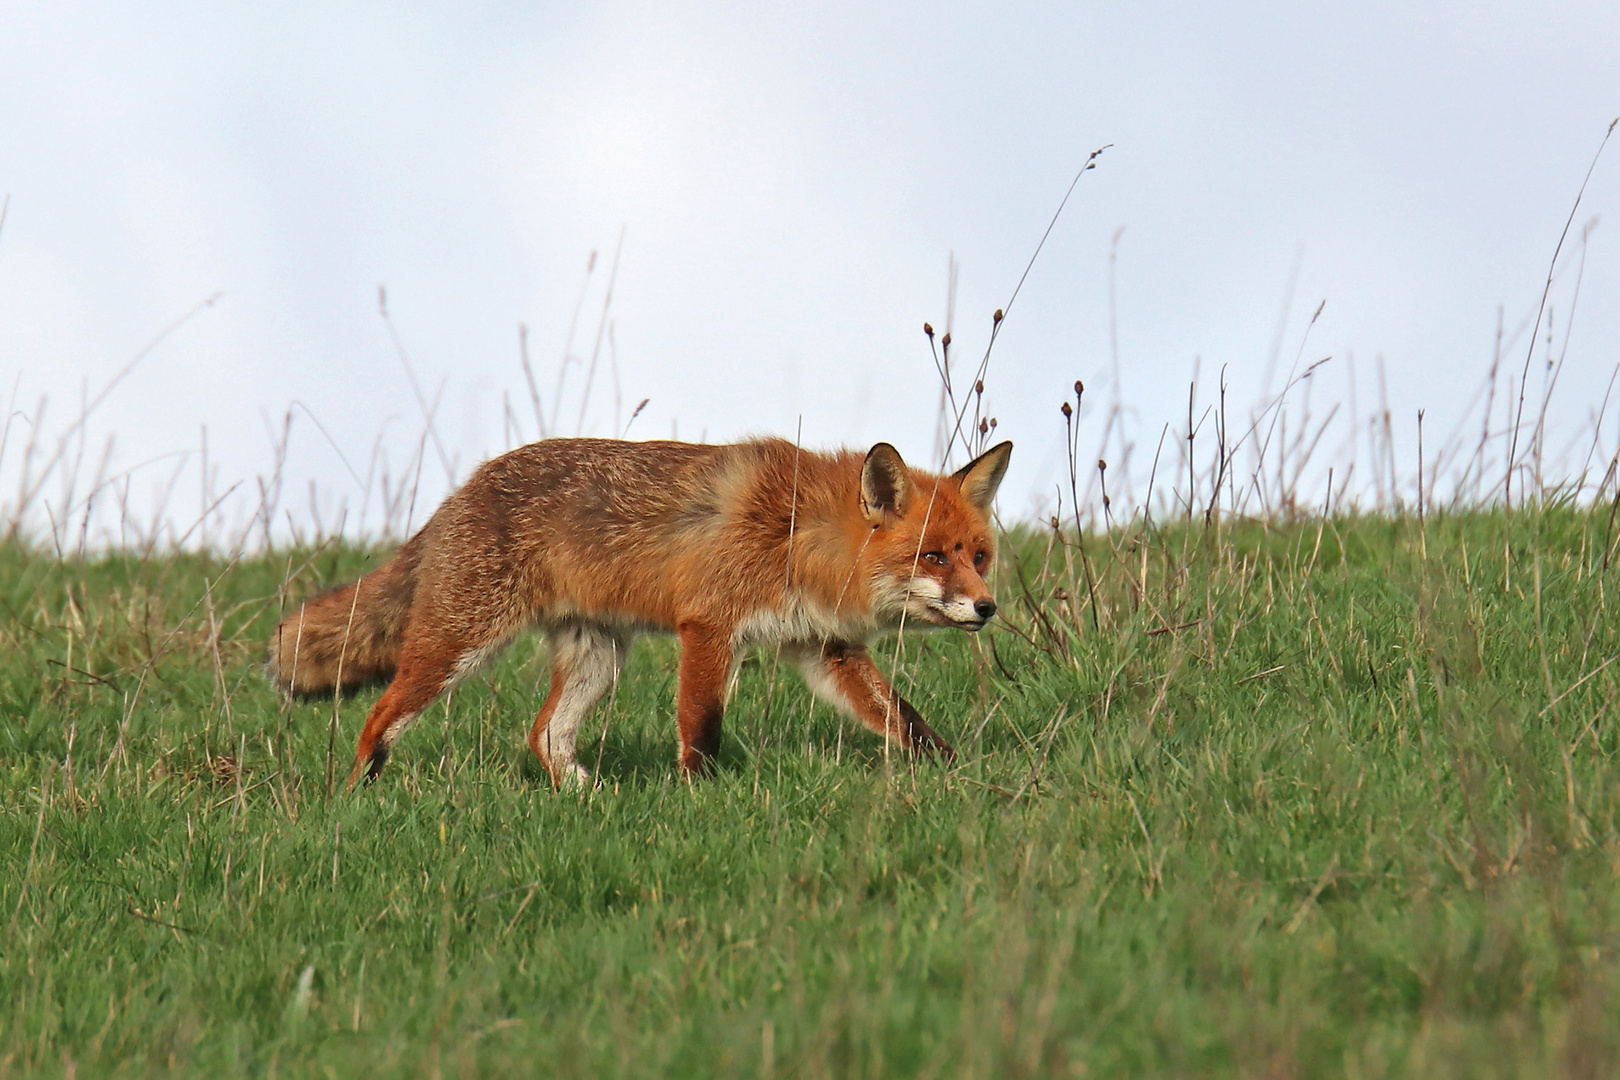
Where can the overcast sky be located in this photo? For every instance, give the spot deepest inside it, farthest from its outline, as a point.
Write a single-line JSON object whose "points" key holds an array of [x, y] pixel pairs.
{"points": [[789, 186]]}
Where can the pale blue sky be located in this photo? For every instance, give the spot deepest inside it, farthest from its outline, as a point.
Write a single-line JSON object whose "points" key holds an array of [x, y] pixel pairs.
{"points": [[790, 185]]}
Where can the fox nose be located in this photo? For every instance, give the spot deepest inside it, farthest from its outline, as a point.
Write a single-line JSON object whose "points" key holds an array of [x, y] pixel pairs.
{"points": [[985, 608]]}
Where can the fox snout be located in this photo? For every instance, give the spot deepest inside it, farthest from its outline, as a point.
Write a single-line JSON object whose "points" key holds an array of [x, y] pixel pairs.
{"points": [[983, 607], [968, 613], [961, 599]]}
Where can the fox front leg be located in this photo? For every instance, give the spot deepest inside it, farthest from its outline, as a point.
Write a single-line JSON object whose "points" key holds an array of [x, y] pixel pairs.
{"points": [[707, 656], [845, 676]]}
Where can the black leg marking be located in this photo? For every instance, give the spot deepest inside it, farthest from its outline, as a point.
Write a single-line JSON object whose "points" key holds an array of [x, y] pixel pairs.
{"points": [[379, 758]]}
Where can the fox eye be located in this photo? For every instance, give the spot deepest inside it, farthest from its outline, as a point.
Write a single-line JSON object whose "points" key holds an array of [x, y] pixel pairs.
{"points": [[978, 558], [934, 558]]}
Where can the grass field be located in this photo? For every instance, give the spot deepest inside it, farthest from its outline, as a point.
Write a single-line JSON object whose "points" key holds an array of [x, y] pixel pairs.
{"points": [[1315, 798]]}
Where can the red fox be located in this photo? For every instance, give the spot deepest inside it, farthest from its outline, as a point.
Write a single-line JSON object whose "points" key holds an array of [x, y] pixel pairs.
{"points": [[594, 541]]}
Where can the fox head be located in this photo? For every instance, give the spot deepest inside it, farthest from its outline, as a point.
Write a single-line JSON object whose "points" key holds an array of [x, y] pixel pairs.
{"points": [[931, 543]]}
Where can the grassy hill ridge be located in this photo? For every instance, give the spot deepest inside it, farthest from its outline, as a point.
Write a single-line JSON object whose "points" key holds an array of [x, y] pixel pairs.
{"points": [[1250, 798]]}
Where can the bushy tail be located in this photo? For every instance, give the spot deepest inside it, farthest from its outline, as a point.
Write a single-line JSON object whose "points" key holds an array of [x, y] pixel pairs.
{"points": [[348, 637]]}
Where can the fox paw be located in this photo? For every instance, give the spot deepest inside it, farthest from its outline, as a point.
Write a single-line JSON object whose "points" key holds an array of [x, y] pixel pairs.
{"points": [[574, 777]]}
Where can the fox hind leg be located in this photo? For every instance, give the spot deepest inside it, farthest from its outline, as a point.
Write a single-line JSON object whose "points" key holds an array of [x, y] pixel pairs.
{"points": [[585, 662], [421, 677], [845, 677]]}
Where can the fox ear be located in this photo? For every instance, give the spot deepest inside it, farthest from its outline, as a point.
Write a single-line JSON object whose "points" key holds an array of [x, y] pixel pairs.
{"points": [[981, 477], [885, 483]]}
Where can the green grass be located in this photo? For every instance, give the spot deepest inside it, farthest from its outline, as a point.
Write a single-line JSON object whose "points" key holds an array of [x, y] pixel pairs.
{"points": [[1314, 799]]}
